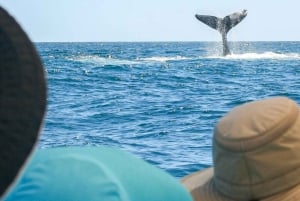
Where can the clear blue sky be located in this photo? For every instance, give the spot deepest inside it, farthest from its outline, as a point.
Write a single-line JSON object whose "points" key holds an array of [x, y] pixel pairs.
{"points": [[153, 20]]}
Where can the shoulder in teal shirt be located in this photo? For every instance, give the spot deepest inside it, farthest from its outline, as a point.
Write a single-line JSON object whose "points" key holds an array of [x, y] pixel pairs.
{"points": [[93, 174]]}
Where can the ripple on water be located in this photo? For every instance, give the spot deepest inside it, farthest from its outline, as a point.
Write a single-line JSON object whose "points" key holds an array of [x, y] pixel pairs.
{"points": [[159, 101]]}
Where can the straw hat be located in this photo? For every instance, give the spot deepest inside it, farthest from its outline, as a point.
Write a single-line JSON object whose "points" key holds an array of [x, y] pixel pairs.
{"points": [[256, 153], [22, 98]]}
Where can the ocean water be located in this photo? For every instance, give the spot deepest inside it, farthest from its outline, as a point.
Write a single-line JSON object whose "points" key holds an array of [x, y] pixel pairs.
{"points": [[158, 100]]}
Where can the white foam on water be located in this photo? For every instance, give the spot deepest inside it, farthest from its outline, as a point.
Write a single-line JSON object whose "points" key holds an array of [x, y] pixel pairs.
{"points": [[102, 61], [163, 59], [255, 56]]}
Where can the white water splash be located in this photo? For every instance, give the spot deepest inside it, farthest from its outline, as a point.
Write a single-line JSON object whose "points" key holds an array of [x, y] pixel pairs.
{"points": [[163, 59], [265, 55]]}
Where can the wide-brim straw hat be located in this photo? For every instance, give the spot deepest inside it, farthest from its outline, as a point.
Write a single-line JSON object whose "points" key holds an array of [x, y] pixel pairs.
{"points": [[22, 98], [256, 155]]}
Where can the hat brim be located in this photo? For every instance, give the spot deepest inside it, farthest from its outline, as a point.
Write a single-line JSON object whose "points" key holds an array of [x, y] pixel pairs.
{"points": [[200, 185], [22, 98]]}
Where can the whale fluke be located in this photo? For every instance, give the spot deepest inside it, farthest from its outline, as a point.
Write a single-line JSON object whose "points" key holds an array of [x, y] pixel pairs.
{"points": [[223, 25]]}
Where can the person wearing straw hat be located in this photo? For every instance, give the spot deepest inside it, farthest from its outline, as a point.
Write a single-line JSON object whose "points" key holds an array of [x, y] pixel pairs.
{"points": [[69, 173], [256, 155]]}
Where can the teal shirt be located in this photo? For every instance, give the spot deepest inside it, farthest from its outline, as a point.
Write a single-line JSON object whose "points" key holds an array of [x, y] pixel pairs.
{"points": [[93, 174]]}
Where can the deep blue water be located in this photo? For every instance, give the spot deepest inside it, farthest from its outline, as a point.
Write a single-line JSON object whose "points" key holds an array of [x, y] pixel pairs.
{"points": [[159, 101]]}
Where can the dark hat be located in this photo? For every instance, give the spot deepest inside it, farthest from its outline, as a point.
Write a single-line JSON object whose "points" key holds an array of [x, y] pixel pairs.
{"points": [[22, 98]]}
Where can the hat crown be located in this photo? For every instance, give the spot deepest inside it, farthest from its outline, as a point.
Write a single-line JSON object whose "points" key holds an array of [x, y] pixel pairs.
{"points": [[256, 148], [254, 124]]}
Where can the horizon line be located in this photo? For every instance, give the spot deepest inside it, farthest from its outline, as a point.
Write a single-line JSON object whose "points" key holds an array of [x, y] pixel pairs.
{"points": [[164, 41]]}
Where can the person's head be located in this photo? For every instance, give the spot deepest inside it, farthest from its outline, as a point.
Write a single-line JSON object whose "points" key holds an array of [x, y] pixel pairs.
{"points": [[22, 98], [256, 156]]}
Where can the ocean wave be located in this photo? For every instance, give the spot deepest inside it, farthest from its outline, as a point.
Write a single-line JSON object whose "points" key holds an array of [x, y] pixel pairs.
{"points": [[265, 55]]}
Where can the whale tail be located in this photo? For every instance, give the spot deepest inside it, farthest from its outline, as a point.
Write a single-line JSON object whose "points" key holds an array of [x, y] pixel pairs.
{"points": [[223, 25]]}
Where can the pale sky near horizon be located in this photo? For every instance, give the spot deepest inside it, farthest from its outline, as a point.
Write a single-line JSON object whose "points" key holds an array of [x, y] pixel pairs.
{"points": [[152, 20]]}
